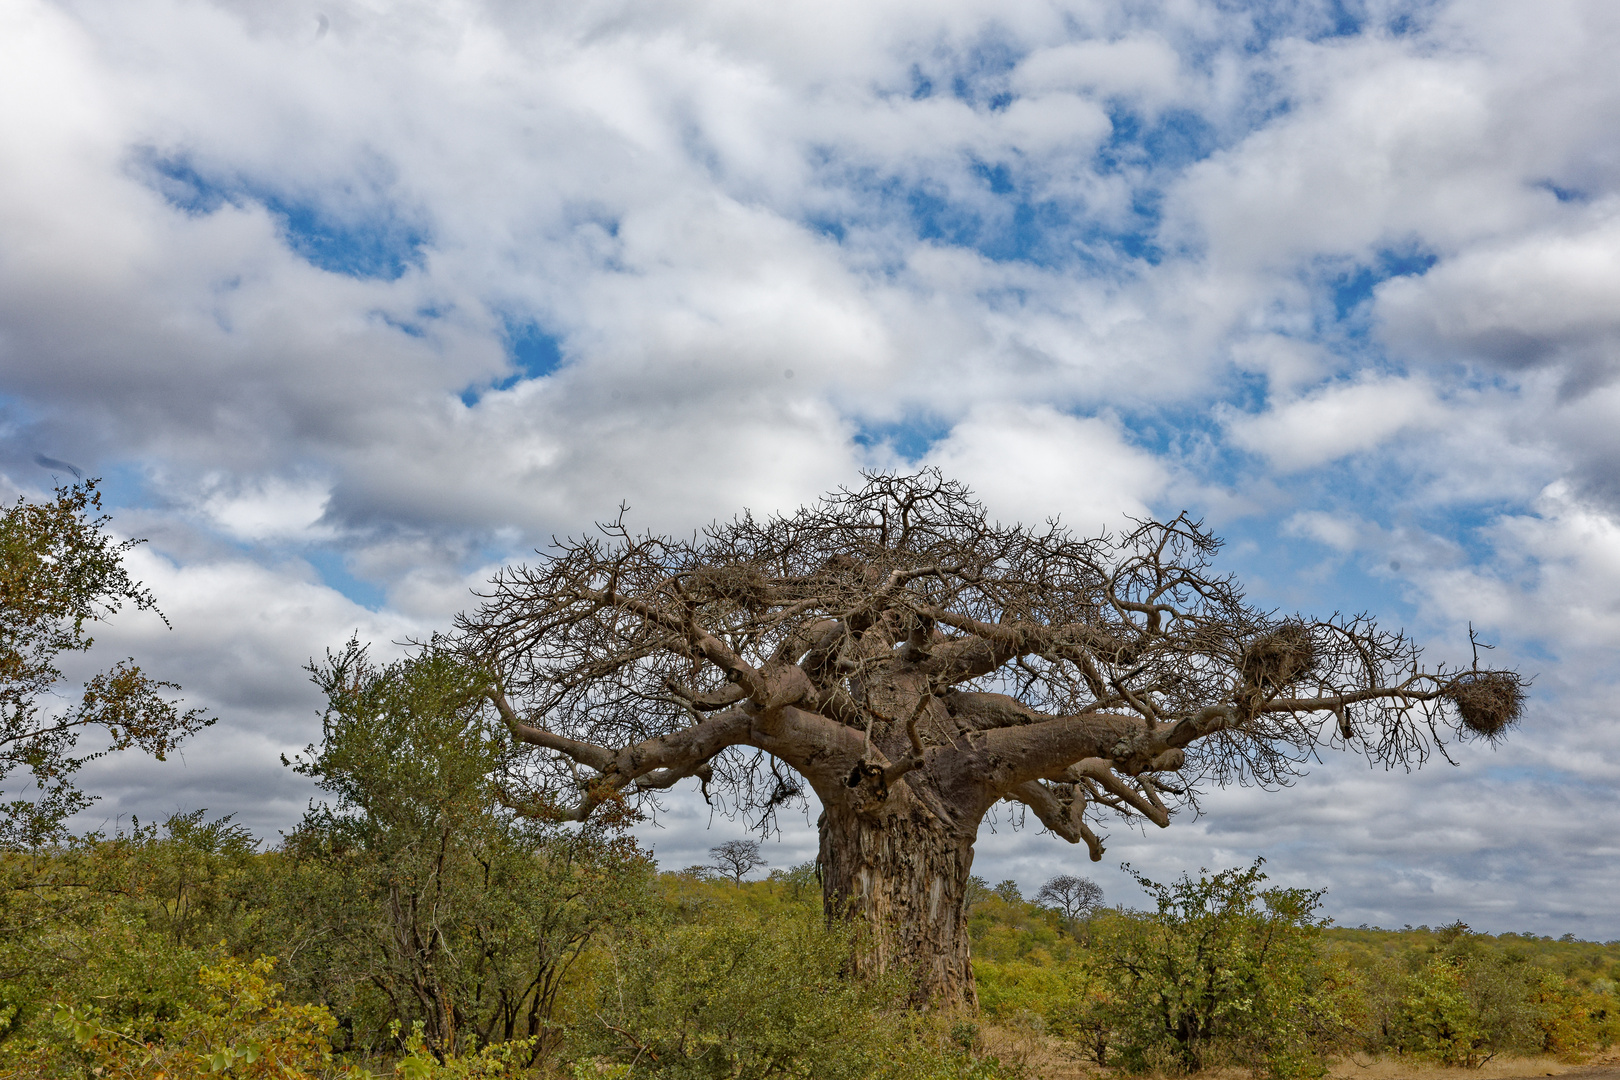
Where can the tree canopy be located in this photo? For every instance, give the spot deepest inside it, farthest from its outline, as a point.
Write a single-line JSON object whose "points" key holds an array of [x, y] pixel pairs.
{"points": [[645, 658], [61, 573], [917, 662]]}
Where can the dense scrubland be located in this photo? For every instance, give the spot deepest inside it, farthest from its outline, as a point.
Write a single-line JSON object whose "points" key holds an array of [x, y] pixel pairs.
{"points": [[412, 925]]}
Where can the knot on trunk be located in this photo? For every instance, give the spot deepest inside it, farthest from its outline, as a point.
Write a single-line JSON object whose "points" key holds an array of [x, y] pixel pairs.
{"points": [[1170, 760], [1133, 757], [867, 781]]}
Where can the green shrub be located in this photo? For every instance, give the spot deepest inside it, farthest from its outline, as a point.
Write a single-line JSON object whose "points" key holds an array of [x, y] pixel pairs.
{"points": [[745, 998], [238, 1025], [1222, 973], [416, 899], [1458, 998], [126, 919]]}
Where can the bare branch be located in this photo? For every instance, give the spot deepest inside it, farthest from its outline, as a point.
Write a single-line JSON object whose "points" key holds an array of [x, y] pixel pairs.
{"points": [[894, 624]]}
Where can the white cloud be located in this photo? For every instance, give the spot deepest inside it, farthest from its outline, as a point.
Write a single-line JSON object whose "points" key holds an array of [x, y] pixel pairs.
{"points": [[1555, 577], [1544, 296], [1336, 421], [241, 635], [1142, 66], [1338, 531], [1031, 463], [272, 509]]}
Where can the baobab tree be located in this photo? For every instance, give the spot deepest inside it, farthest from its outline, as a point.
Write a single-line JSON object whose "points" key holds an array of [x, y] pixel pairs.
{"points": [[917, 663]]}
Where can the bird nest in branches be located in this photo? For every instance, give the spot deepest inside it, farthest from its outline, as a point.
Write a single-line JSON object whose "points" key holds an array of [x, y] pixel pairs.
{"points": [[742, 585], [1488, 702], [1279, 656]]}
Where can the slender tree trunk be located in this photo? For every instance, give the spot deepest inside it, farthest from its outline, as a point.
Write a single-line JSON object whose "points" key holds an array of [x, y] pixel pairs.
{"points": [[903, 874]]}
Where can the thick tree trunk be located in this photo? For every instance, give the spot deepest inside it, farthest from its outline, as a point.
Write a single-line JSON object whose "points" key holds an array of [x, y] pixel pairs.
{"points": [[903, 875]]}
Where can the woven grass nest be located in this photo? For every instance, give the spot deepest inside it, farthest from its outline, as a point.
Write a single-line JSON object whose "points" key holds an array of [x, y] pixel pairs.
{"points": [[1488, 702], [743, 585], [1279, 656]]}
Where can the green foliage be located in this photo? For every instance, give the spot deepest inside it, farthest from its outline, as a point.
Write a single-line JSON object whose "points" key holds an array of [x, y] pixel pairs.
{"points": [[236, 1024], [748, 997], [802, 881], [1459, 998], [417, 897], [506, 1059], [1439, 1021], [740, 978], [126, 919], [60, 574], [737, 998], [425, 927], [1224, 972]]}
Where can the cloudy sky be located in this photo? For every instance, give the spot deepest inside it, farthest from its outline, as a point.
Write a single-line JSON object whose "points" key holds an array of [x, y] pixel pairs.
{"points": [[350, 302]]}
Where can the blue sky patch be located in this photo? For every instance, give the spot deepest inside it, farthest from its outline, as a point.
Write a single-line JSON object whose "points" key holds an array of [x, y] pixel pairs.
{"points": [[1352, 288], [123, 484], [532, 351], [995, 207], [830, 228], [375, 246], [335, 575], [186, 189], [374, 243], [1006, 225], [921, 85], [1173, 140], [911, 438], [979, 77], [1015, 229], [1325, 20], [1563, 194], [1276, 19]]}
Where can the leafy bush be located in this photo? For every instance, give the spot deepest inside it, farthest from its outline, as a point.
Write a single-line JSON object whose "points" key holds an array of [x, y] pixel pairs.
{"points": [[1222, 973], [126, 918], [744, 998], [240, 1025], [1457, 999], [61, 573], [417, 900]]}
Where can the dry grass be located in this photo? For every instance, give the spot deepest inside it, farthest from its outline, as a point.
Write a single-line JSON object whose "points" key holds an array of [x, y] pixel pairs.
{"points": [[1361, 1067], [1040, 1055], [1045, 1058]]}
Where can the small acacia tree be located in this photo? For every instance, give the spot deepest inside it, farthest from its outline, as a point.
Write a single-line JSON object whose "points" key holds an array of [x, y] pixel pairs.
{"points": [[60, 574], [1075, 897], [412, 894], [1224, 971], [737, 858], [917, 663]]}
